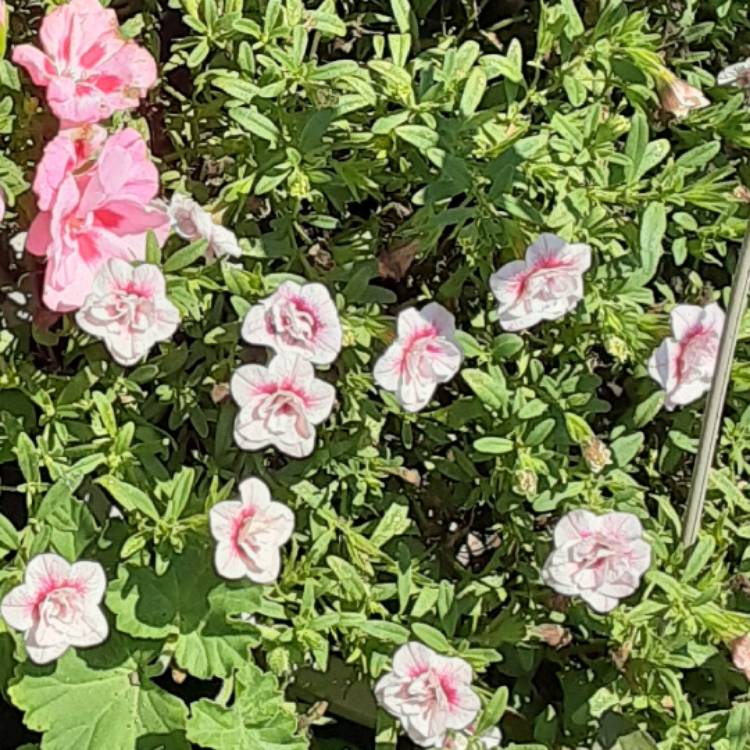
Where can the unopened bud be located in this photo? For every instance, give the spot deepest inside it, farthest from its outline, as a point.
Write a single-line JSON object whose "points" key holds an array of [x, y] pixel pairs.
{"points": [[597, 455], [678, 97]]}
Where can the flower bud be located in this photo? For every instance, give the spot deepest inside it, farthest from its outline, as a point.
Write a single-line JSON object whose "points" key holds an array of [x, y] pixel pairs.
{"points": [[678, 97], [525, 483], [741, 654], [597, 455]]}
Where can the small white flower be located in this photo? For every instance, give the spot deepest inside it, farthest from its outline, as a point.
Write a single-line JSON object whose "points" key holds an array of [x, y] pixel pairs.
{"points": [[188, 218], [684, 364]]}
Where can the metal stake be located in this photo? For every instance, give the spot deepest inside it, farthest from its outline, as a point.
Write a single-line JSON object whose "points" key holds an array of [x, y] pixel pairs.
{"points": [[717, 396]]}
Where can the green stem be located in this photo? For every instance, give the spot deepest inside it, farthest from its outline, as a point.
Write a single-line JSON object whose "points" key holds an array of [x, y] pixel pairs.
{"points": [[717, 396]]}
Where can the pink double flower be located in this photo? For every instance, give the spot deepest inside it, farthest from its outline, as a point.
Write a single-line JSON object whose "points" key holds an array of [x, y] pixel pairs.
{"points": [[89, 69], [96, 196]]}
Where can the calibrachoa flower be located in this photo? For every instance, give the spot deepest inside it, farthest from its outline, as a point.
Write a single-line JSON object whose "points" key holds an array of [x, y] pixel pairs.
{"points": [[736, 75], [128, 309], [428, 693], [296, 319], [684, 363], [96, 197], [280, 405], [546, 285], [249, 533], [424, 354], [192, 222], [57, 606], [490, 739], [741, 654], [678, 97], [90, 70], [599, 558]]}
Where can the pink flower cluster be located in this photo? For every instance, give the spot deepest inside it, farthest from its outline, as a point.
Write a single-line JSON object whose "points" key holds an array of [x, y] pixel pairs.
{"points": [[97, 193], [89, 69], [280, 404]]}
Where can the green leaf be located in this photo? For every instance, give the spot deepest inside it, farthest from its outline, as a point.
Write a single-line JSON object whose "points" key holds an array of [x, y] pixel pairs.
{"points": [[389, 632], [578, 429], [401, 11], [190, 605], [431, 637], [394, 523], [90, 708], [653, 228], [648, 409], [8, 535], [635, 741], [129, 497], [491, 391], [473, 93], [250, 119], [418, 135], [494, 710], [626, 448], [700, 558], [186, 256], [153, 249], [495, 445], [257, 720]]}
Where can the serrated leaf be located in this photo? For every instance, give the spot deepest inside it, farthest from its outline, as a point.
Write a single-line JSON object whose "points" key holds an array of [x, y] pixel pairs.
{"points": [[86, 708], [189, 604], [257, 720]]}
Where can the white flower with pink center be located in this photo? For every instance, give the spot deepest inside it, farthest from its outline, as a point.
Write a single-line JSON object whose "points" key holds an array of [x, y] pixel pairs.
{"points": [[684, 364], [296, 319], [599, 558], [57, 607], [127, 308], [545, 286], [280, 405], [249, 533], [424, 354], [428, 693]]}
